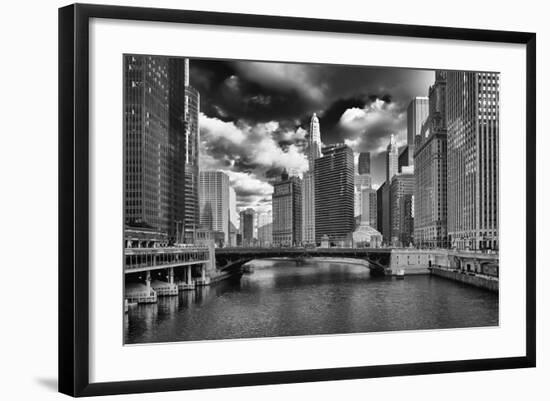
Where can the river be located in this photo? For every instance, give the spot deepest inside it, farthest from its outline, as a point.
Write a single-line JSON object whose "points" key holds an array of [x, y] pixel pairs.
{"points": [[282, 299]]}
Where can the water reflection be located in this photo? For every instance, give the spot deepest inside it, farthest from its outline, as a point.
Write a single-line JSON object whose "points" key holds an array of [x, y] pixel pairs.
{"points": [[280, 299]]}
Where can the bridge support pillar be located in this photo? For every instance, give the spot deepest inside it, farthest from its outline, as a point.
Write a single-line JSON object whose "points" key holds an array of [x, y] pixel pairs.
{"points": [[187, 280], [148, 281], [171, 275], [204, 280]]}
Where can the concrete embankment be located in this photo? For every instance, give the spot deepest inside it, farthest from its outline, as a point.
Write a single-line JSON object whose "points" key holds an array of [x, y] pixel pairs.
{"points": [[485, 282]]}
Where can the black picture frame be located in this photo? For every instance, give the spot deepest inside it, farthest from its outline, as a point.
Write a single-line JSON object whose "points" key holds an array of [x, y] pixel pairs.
{"points": [[74, 202]]}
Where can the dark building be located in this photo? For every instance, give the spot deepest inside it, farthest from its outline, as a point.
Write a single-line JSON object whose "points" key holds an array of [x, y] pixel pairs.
{"points": [[160, 132], [334, 195], [401, 205], [247, 227], [404, 159], [380, 207], [363, 163], [287, 211]]}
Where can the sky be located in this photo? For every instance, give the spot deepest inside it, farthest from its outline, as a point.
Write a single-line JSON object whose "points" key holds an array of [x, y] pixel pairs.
{"points": [[255, 116]]}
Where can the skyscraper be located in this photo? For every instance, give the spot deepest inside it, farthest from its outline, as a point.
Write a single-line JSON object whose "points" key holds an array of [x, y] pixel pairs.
{"points": [[392, 159], [308, 183], [334, 200], [472, 110], [265, 228], [247, 227], [417, 112], [192, 139], [401, 205], [214, 202], [287, 211], [380, 207], [368, 207], [430, 160], [158, 122], [361, 181], [363, 163], [233, 215]]}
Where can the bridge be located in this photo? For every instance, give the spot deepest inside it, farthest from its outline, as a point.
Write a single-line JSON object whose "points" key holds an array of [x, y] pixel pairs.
{"points": [[233, 258], [162, 271]]}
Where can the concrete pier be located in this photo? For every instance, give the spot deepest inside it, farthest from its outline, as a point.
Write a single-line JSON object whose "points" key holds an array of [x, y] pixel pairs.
{"points": [[139, 293], [477, 280]]}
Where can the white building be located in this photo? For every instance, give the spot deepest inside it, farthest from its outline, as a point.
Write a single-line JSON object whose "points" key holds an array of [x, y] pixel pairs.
{"points": [[308, 184], [214, 201]]}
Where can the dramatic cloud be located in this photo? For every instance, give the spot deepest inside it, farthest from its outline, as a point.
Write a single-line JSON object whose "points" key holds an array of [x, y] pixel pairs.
{"points": [[369, 128], [255, 115]]}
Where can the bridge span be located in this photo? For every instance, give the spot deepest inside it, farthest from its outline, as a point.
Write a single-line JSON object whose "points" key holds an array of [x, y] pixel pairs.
{"points": [[233, 258], [159, 271]]}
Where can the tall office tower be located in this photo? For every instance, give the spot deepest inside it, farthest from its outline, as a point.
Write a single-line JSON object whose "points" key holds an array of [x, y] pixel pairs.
{"points": [[392, 159], [156, 143], [361, 181], [334, 200], [308, 183], [369, 207], [233, 214], [472, 112], [247, 227], [380, 208], [417, 112], [314, 141], [265, 227], [287, 211], [430, 161], [190, 116], [401, 198], [214, 202], [363, 163]]}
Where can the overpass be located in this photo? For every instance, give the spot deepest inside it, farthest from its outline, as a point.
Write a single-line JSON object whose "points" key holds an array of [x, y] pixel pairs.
{"points": [[228, 259]]}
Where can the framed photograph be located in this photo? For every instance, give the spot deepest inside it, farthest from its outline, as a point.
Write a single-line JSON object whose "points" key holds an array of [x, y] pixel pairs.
{"points": [[250, 199]]}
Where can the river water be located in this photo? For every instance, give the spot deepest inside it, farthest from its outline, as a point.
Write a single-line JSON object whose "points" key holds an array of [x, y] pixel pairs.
{"points": [[282, 299]]}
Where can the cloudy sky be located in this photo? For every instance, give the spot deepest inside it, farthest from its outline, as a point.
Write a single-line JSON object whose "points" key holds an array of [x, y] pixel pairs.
{"points": [[255, 115]]}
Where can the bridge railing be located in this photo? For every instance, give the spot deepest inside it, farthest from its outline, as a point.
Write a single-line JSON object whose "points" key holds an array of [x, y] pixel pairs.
{"points": [[136, 258]]}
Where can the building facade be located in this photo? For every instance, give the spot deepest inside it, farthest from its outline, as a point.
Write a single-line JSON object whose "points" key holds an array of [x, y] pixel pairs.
{"points": [[265, 228], [287, 211], [380, 208], [392, 159], [247, 227], [472, 111], [214, 202], [161, 147], [308, 182], [369, 207], [430, 160], [334, 195], [363, 163], [361, 181], [401, 205], [417, 113]]}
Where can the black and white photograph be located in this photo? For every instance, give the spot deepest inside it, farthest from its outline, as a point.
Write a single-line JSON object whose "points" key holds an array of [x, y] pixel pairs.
{"points": [[269, 199]]}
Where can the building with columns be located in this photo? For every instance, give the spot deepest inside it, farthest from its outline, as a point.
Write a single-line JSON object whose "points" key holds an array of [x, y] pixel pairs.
{"points": [[473, 118]]}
